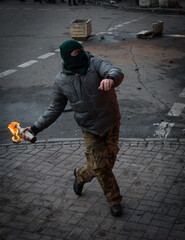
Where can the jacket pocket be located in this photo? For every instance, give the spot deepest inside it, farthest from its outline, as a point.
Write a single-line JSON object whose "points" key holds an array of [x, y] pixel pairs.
{"points": [[82, 116], [84, 119], [79, 106]]}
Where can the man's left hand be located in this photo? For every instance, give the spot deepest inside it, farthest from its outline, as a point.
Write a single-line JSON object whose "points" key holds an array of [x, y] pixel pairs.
{"points": [[106, 84]]}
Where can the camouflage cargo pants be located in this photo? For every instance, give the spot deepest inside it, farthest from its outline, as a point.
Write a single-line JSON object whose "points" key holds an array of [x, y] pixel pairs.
{"points": [[101, 155]]}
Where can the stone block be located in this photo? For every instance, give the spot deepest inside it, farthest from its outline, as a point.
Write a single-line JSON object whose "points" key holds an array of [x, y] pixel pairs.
{"points": [[157, 28], [80, 29], [144, 34]]}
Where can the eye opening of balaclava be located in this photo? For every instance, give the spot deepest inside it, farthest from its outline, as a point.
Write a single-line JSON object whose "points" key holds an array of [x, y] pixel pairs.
{"points": [[77, 64]]}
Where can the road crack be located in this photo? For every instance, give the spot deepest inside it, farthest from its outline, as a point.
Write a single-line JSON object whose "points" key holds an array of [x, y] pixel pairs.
{"points": [[139, 78]]}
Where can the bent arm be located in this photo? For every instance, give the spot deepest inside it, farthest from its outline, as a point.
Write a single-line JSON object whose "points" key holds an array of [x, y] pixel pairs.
{"points": [[109, 71]]}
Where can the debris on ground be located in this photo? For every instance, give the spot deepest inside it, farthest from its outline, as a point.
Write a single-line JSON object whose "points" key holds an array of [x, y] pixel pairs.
{"points": [[157, 30]]}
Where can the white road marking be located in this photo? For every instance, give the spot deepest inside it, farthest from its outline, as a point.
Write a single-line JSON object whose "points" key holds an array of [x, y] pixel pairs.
{"points": [[27, 9], [27, 64], [125, 23], [46, 55], [44, 9], [7, 72], [57, 50], [182, 93], [176, 110], [174, 35], [164, 129]]}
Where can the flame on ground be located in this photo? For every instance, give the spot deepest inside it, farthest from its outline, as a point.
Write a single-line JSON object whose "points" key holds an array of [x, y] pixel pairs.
{"points": [[14, 130]]}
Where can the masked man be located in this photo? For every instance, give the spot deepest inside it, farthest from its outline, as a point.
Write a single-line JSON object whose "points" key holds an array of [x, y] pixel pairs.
{"points": [[88, 84]]}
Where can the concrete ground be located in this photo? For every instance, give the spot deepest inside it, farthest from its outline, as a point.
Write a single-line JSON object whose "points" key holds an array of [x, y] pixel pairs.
{"points": [[132, 4], [37, 199]]}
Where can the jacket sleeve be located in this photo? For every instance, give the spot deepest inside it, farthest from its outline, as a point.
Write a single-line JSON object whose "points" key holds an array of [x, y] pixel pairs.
{"points": [[107, 70], [55, 109]]}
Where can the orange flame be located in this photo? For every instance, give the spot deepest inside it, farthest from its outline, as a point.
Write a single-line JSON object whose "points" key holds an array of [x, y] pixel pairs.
{"points": [[14, 130]]}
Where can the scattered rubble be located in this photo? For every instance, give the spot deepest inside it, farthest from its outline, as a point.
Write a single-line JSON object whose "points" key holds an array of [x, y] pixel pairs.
{"points": [[148, 34]]}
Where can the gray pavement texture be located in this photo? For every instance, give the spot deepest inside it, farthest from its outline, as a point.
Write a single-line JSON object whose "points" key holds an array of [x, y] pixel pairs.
{"points": [[133, 4], [37, 199], [128, 4]]}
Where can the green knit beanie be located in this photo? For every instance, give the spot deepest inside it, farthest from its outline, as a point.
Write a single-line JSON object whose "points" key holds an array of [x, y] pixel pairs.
{"points": [[76, 64]]}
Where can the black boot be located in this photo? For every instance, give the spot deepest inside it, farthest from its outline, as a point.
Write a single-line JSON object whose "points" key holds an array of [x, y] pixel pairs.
{"points": [[116, 210], [77, 187]]}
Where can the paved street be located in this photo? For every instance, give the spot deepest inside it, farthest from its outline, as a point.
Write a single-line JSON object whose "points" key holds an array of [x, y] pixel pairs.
{"points": [[37, 200]]}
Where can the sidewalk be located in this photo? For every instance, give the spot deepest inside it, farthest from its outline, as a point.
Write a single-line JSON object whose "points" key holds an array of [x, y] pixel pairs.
{"points": [[37, 199]]}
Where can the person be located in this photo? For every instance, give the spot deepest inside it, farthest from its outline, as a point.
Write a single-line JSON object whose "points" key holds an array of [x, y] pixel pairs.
{"points": [[74, 2], [81, 1], [40, 1], [51, 1], [88, 83]]}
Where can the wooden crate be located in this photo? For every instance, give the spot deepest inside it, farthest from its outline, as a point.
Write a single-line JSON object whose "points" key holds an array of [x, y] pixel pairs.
{"points": [[80, 29]]}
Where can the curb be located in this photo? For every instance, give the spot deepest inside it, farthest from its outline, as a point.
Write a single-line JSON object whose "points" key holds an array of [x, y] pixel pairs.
{"points": [[68, 141]]}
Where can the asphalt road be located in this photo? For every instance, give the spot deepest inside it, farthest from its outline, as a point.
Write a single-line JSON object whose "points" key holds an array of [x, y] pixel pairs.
{"points": [[151, 98]]}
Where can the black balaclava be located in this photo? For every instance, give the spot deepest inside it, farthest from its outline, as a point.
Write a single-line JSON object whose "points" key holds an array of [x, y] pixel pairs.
{"points": [[77, 64]]}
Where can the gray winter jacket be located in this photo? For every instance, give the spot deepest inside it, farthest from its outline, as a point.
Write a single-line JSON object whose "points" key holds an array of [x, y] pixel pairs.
{"points": [[94, 110]]}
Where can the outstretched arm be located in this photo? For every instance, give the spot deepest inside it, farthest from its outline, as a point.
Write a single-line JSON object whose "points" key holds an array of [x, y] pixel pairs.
{"points": [[52, 113]]}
